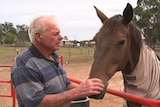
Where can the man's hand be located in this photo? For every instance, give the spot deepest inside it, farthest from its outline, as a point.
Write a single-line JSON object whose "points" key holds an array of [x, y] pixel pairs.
{"points": [[90, 87]]}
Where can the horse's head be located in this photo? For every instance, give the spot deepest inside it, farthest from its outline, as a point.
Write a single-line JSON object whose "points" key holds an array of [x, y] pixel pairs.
{"points": [[112, 46]]}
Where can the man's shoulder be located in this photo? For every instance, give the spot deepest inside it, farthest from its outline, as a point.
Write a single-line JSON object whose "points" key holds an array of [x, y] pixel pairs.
{"points": [[24, 55]]}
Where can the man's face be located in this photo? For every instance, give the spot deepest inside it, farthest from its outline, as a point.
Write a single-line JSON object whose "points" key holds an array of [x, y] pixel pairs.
{"points": [[50, 39]]}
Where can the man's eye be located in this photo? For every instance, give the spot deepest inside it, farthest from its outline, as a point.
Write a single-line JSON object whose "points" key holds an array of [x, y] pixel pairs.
{"points": [[54, 34]]}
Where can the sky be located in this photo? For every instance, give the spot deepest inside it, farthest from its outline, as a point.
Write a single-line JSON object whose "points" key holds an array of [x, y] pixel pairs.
{"points": [[77, 18]]}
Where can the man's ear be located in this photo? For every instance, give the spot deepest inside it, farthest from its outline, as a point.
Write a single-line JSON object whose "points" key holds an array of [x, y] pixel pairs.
{"points": [[37, 37]]}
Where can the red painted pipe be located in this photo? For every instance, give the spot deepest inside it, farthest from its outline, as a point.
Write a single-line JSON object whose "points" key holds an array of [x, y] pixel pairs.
{"points": [[5, 81], [134, 98], [13, 94], [61, 60], [8, 66]]}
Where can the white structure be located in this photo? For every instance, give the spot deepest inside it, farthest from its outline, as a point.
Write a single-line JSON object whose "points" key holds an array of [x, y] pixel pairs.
{"points": [[66, 43]]}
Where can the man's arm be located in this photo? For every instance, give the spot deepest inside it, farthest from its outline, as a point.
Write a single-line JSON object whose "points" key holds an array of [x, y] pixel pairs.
{"points": [[86, 88]]}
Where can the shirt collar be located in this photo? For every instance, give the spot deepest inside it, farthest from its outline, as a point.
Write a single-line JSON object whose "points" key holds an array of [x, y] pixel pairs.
{"points": [[38, 54]]}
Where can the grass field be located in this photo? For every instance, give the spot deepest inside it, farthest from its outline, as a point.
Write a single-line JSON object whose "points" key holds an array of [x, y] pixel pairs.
{"points": [[77, 55], [7, 54], [71, 55]]}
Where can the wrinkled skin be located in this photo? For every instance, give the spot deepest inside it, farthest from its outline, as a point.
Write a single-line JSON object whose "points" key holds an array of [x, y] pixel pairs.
{"points": [[112, 48]]}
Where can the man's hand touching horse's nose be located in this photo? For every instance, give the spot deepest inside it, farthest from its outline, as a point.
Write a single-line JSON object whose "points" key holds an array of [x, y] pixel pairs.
{"points": [[90, 87]]}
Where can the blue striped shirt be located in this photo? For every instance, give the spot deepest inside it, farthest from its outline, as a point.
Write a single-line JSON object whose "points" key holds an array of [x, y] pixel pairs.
{"points": [[34, 76]]}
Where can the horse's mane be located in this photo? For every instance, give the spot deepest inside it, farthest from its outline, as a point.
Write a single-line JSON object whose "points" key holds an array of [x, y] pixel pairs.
{"points": [[136, 35], [135, 45]]}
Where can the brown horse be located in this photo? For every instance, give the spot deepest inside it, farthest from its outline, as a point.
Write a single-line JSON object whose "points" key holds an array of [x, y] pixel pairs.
{"points": [[120, 47]]}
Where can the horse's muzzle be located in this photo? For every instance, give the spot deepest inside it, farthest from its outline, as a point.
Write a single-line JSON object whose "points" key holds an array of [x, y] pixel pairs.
{"points": [[99, 96]]}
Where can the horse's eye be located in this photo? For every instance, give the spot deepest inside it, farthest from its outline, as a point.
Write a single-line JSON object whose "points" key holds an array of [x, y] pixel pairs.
{"points": [[121, 42]]}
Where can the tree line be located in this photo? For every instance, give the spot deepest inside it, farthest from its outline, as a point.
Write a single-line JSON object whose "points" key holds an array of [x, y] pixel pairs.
{"points": [[146, 17], [13, 35]]}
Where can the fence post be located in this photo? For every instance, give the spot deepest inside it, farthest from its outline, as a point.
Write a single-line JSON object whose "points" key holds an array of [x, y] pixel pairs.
{"points": [[61, 60], [13, 95]]}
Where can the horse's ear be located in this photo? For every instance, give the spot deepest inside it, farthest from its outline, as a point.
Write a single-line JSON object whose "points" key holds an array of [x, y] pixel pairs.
{"points": [[127, 14], [101, 15]]}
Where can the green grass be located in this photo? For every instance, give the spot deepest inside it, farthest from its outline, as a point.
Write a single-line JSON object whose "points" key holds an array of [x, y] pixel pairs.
{"points": [[8, 53], [77, 55], [72, 55]]}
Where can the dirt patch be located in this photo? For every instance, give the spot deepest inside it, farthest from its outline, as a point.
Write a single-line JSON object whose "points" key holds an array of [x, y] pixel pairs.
{"points": [[79, 71]]}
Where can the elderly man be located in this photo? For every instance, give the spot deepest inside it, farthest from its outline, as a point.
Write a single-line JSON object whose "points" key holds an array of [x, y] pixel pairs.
{"points": [[37, 75]]}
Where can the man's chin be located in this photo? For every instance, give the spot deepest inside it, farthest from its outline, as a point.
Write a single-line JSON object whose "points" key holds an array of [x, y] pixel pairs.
{"points": [[57, 48]]}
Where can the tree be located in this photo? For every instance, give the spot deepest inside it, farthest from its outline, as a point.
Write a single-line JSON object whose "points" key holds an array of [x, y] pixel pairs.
{"points": [[8, 32], [22, 32], [6, 28], [65, 38], [147, 15], [9, 38], [1, 35]]}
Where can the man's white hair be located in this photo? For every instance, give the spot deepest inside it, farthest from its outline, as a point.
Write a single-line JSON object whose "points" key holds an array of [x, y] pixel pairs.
{"points": [[38, 24]]}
